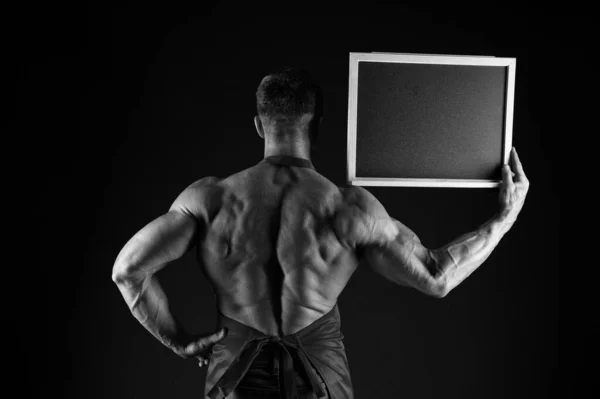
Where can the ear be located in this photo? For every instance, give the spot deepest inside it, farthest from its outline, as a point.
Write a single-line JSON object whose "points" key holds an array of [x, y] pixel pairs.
{"points": [[259, 127]]}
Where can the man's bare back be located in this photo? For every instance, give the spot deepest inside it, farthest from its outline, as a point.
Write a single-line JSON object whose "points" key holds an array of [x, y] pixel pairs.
{"points": [[279, 242], [271, 249]]}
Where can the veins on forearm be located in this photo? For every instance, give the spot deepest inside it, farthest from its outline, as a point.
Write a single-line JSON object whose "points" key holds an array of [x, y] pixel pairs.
{"points": [[465, 254], [148, 304]]}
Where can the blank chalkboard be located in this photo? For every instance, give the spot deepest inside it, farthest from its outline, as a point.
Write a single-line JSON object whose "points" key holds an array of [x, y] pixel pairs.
{"points": [[429, 120]]}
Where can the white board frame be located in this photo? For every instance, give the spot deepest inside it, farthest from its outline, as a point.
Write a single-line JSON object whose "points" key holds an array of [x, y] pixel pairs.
{"points": [[436, 59]]}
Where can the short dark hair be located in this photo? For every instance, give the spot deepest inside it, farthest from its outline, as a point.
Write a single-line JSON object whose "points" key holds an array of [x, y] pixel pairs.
{"points": [[285, 95]]}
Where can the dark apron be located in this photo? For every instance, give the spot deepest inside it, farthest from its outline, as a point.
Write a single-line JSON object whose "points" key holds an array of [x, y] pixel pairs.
{"points": [[317, 348]]}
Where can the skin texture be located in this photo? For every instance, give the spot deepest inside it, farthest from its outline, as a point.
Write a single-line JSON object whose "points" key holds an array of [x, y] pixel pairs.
{"points": [[279, 244]]}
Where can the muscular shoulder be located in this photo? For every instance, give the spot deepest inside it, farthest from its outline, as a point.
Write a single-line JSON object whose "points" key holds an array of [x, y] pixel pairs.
{"points": [[363, 219], [200, 199], [363, 200]]}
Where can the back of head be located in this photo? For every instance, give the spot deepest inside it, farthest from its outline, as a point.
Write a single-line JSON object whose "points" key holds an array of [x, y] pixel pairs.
{"points": [[284, 97]]}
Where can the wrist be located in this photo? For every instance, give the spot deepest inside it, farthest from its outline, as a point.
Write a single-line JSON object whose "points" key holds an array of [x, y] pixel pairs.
{"points": [[174, 340], [502, 221]]}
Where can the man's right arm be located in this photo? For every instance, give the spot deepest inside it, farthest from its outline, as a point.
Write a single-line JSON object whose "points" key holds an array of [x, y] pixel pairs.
{"points": [[395, 252]]}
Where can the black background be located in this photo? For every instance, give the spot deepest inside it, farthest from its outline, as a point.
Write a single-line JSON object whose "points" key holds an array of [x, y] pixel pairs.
{"points": [[123, 106]]}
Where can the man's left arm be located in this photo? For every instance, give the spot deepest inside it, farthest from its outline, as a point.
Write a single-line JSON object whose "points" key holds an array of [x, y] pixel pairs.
{"points": [[395, 252], [162, 241]]}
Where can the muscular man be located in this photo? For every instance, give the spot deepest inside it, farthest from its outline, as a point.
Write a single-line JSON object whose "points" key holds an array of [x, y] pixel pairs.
{"points": [[278, 242]]}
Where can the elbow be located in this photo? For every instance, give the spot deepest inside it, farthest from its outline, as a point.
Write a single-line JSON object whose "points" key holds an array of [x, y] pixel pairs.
{"points": [[127, 267], [118, 275], [439, 290], [438, 285], [123, 272], [433, 288], [437, 281]]}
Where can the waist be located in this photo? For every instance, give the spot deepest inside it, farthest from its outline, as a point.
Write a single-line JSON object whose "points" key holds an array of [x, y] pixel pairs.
{"points": [[260, 316], [265, 372], [259, 323], [248, 355]]}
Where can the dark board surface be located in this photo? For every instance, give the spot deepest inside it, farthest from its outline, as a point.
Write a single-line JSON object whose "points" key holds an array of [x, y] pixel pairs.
{"points": [[430, 121]]}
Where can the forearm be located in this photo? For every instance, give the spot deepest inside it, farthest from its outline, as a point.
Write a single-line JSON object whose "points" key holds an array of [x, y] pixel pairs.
{"points": [[457, 260], [149, 305]]}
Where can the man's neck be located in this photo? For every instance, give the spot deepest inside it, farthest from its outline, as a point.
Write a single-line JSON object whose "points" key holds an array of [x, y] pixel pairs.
{"points": [[296, 149]]}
